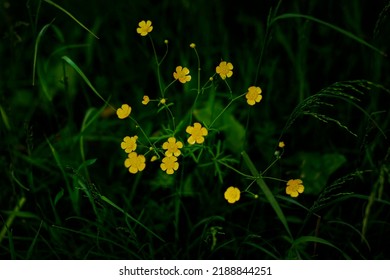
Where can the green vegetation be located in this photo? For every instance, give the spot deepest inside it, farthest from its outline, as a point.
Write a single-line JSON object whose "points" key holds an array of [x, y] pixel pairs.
{"points": [[210, 132]]}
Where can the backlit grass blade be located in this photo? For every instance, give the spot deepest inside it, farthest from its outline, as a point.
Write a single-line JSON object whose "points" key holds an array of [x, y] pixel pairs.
{"points": [[86, 80], [327, 24], [5, 118], [267, 192], [11, 217], [71, 16], [37, 41]]}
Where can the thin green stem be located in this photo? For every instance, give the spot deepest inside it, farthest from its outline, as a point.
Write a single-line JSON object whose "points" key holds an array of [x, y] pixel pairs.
{"points": [[270, 165], [198, 59], [143, 132], [158, 66], [224, 109], [171, 83], [230, 90], [198, 85], [171, 115], [273, 178], [267, 192], [235, 170]]}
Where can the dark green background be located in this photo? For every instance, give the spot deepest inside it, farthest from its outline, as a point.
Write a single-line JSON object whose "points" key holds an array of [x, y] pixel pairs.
{"points": [[299, 57]]}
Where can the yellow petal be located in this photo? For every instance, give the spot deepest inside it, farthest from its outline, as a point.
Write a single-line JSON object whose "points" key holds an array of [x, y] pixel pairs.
{"points": [[124, 111]]}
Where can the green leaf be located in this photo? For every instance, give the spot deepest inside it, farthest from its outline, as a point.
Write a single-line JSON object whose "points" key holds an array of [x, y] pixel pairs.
{"points": [[84, 77], [316, 169], [58, 196], [267, 192], [233, 130]]}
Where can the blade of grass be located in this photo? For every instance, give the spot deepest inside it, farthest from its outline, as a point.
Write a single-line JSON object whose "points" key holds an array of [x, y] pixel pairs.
{"points": [[11, 245], [74, 195], [11, 217], [37, 41], [31, 248], [105, 199], [100, 238], [71, 16], [5, 118], [20, 184], [86, 80], [327, 24], [267, 192], [260, 248], [305, 239], [90, 116]]}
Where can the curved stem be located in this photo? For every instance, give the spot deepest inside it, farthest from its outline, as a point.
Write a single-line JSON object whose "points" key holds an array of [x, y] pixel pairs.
{"points": [[224, 109]]}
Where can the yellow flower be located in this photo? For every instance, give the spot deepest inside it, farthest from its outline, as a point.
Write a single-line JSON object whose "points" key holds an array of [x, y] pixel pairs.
{"points": [[129, 144], [192, 45], [172, 147], [145, 100], [144, 28], [154, 158], [181, 74], [169, 164], [224, 69], [197, 132], [294, 187], [124, 111], [135, 162], [253, 95], [163, 101], [232, 194], [281, 144]]}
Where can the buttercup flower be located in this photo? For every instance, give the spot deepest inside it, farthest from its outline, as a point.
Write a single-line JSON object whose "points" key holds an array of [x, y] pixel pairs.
{"points": [[281, 144], [129, 144], [294, 187], [232, 194], [154, 158], [124, 111], [145, 100], [145, 27], [135, 162], [163, 101], [224, 69], [169, 164], [197, 132], [181, 74], [192, 45], [253, 95], [172, 147]]}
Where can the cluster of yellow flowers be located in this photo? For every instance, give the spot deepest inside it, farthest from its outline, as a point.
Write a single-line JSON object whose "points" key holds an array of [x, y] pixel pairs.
{"points": [[171, 149], [135, 162], [182, 74]]}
